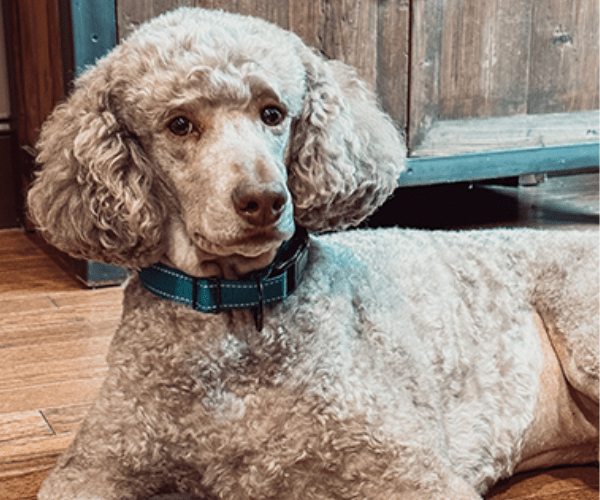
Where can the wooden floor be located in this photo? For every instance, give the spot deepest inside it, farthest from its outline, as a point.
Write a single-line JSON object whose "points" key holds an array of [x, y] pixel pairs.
{"points": [[54, 333]]}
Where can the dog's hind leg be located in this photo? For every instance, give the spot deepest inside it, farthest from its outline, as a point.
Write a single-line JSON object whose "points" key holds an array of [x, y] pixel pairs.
{"points": [[565, 300], [566, 297]]}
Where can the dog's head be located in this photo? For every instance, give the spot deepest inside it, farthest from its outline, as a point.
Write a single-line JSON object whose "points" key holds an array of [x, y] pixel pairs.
{"points": [[203, 139]]}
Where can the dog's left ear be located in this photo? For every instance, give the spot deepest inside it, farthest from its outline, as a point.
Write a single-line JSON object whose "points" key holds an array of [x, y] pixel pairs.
{"points": [[345, 153], [97, 196]]}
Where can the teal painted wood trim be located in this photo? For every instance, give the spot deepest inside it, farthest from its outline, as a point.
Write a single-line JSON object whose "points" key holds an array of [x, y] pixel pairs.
{"points": [[496, 164], [94, 34], [94, 30], [100, 274]]}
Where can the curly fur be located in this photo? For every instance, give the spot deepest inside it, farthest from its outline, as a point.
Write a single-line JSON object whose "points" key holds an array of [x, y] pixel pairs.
{"points": [[97, 197], [339, 172], [407, 365]]}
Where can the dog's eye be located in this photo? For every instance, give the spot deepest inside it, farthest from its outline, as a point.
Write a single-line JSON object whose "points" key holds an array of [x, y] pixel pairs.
{"points": [[272, 116], [181, 126]]}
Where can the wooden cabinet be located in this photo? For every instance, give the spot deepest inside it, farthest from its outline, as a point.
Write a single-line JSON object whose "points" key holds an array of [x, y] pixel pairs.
{"points": [[47, 42], [32, 39], [8, 191]]}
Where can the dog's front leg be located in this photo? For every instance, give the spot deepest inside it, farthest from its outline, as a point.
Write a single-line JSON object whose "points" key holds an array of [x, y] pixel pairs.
{"points": [[76, 477], [113, 456], [69, 482]]}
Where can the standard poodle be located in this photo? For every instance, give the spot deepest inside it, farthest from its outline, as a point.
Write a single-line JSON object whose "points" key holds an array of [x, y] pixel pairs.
{"points": [[258, 360]]}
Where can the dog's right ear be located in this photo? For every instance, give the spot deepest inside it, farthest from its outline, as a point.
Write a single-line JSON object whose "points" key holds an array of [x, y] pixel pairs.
{"points": [[96, 195], [345, 153]]}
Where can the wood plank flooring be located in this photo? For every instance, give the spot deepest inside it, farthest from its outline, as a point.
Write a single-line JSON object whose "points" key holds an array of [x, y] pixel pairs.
{"points": [[54, 333]]}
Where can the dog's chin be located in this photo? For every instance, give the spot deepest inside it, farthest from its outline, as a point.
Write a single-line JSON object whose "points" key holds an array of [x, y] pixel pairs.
{"points": [[232, 267], [250, 247], [229, 259], [239, 257]]}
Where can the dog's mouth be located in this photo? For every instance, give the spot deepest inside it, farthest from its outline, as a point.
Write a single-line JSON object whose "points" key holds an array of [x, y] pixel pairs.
{"points": [[248, 246], [238, 256]]}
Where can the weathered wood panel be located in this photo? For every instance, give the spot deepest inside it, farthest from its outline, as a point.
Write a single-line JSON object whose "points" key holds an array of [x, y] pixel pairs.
{"points": [[424, 85], [350, 34], [564, 56], [484, 48], [392, 57], [469, 60], [474, 59], [370, 35], [131, 13], [275, 11], [458, 137], [306, 20]]}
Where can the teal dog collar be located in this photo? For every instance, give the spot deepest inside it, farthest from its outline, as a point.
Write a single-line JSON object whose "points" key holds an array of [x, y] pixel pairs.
{"points": [[265, 286]]}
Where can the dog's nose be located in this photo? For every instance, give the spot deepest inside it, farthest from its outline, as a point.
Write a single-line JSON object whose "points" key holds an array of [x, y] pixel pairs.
{"points": [[260, 205]]}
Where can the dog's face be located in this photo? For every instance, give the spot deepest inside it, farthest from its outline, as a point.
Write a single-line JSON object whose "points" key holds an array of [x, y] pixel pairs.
{"points": [[226, 164], [217, 127], [223, 153]]}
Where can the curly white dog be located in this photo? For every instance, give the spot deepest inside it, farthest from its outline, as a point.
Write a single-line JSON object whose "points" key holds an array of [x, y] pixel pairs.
{"points": [[254, 361]]}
